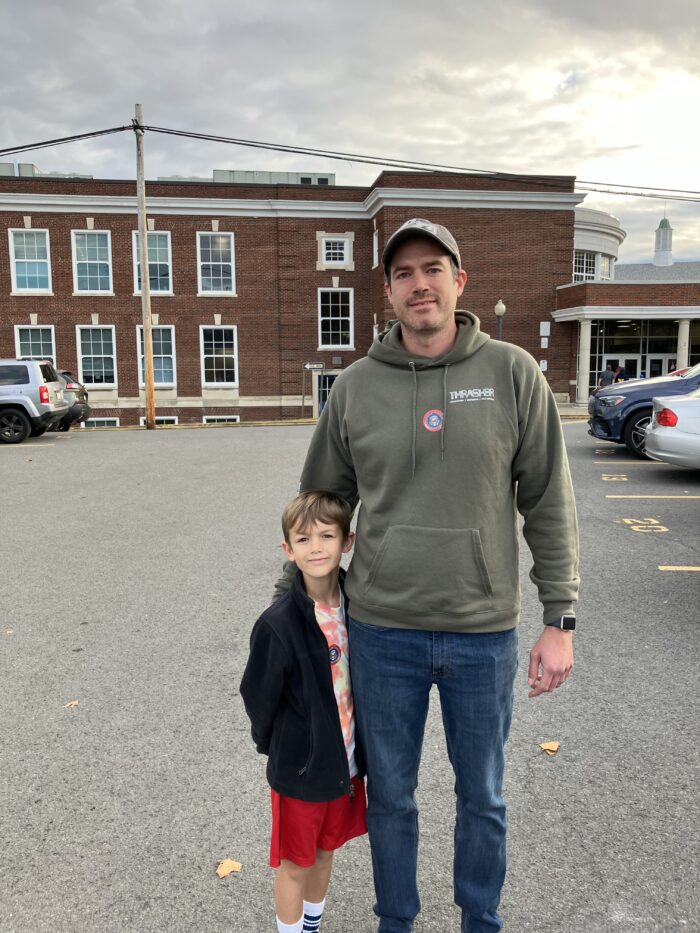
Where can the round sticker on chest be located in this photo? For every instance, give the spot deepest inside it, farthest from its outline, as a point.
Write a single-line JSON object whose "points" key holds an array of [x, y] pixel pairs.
{"points": [[334, 654], [433, 419]]}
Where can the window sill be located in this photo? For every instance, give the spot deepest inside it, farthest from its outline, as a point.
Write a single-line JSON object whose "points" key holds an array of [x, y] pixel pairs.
{"points": [[217, 294], [28, 292], [93, 294], [156, 294], [335, 347]]}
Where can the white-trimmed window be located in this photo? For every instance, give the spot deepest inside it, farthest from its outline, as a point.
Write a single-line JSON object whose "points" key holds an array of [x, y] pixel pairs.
{"points": [[606, 267], [216, 268], [335, 250], [160, 419], [163, 355], [375, 248], [221, 419], [30, 262], [97, 356], [335, 318], [219, 356], [160, 262], [92, 262], [584, 265], [101, 423], [35, 342]]}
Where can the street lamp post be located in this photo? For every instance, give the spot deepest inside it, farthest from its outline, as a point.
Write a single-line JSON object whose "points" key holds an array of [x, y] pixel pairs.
{"points": [[499, 311]]}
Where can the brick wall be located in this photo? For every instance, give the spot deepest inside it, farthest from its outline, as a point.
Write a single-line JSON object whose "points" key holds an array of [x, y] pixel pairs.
{"points": [[517, 255]]}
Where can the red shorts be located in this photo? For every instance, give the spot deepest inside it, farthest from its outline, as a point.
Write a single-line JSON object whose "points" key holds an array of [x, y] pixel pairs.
{"points": [[299, 827]]}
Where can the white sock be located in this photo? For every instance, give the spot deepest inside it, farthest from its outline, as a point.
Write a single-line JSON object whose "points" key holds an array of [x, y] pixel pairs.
{"points": [[297, 927], [312, 916]]}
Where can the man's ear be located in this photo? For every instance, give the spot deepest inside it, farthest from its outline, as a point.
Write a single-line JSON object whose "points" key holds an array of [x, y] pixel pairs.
{"points": [[387, 290], [348, 543], [288, 551]]}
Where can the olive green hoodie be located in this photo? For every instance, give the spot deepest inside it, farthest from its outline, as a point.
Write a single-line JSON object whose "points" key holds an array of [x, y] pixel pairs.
{"points": [[442, 453]]}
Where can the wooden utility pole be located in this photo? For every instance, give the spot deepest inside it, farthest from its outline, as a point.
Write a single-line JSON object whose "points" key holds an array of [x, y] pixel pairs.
{"points": [[145, 278]]}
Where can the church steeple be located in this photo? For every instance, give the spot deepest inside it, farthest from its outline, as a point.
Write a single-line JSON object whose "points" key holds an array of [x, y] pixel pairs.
{"points": [[662, 248]]}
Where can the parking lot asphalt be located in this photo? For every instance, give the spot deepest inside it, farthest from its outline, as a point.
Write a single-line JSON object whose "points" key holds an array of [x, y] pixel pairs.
{"points": [[134, 566]]}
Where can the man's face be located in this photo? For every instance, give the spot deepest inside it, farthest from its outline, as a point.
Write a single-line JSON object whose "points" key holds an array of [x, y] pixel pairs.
{"points": [[423, 288]]}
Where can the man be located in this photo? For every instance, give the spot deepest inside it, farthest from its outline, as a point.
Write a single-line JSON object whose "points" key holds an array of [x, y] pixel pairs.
{"points": [[607, 377], [442, 434]]}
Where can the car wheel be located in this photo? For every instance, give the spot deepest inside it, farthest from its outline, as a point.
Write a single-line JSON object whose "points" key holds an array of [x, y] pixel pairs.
{"points": [[63, 425], [635, 433], [14, 427]]}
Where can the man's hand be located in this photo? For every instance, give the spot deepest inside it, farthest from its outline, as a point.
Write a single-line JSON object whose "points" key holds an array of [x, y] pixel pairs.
{"points": [[551, 660]]}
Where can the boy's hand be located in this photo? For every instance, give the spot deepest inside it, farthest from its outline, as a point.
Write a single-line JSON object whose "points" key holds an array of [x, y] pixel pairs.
{"points": [[551, 660]]}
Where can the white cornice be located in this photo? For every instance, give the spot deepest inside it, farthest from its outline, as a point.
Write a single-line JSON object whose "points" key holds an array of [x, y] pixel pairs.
{"points": [[19, 202], [379, 198], [628, 312]]}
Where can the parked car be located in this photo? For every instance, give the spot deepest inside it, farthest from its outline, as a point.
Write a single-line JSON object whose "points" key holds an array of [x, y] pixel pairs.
{"points": [[621, 412], [31, 399], [76, 395], [673, 435]]}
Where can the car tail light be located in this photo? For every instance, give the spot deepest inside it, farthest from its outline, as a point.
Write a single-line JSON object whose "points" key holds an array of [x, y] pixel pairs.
{"points": [[667, 418], [72, 386], [43, 395]]}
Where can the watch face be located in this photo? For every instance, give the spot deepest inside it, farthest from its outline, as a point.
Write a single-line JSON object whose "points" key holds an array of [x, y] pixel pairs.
{"points": [[568, 623]]}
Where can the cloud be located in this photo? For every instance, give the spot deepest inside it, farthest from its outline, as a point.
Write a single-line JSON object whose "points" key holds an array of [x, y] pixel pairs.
{"points": [[601, 92]]}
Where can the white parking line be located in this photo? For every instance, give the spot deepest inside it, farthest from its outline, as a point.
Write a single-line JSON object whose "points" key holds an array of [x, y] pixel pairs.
{"points": [[652, 497], [25, 445]]}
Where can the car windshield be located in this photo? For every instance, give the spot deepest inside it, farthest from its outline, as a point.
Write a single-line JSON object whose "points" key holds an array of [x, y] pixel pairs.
{"points": [[693, 371]]}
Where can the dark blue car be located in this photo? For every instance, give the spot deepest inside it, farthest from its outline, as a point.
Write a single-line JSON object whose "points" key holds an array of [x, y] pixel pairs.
{"points": [[621, 412]]}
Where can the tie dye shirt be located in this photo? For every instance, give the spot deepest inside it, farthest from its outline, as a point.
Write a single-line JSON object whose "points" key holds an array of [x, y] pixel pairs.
{"points": [[331, 620]]}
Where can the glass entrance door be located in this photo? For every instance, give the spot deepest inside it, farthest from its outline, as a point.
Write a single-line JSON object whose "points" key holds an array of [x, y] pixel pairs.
{"points": [[324, 382], [660, 364], [631, 364]]}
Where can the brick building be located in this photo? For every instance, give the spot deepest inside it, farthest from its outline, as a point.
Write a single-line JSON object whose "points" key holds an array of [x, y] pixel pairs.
{"points": [[251, 280]]}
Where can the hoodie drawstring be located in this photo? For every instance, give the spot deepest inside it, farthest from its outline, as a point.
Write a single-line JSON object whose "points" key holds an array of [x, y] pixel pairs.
{"points": [[415, 419], [443, 429], [444, 412]]}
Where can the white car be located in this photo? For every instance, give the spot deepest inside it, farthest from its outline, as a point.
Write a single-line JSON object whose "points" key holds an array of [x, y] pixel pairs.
{"points": [[673, 434]]}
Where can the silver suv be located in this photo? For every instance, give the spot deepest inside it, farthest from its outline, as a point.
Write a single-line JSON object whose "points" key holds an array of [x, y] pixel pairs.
{"points": [[31, 399]]}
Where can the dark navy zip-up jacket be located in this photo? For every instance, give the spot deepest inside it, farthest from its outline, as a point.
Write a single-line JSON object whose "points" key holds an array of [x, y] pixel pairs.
{"points": [[287, 689]]}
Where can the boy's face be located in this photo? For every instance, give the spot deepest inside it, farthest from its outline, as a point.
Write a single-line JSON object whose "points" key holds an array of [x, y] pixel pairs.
{"points": [[317, 550]]}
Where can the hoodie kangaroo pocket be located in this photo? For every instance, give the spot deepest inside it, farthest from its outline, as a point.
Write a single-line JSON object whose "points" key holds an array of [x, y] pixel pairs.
{"points": [[441, 570]]}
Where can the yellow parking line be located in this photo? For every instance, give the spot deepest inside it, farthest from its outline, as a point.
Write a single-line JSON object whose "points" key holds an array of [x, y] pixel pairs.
{"points": [[652, 497], [686, 569]]}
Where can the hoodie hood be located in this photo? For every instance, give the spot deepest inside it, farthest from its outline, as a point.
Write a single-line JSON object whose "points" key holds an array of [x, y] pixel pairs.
{"points": [[388, 347]]}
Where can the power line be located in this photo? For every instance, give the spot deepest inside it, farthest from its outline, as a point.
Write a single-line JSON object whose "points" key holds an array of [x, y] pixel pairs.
{"points": [[13, 150], [585, 187], [640, 191]]}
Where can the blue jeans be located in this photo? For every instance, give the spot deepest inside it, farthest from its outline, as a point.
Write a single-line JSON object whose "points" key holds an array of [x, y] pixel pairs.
{"points": [[393, 671]]}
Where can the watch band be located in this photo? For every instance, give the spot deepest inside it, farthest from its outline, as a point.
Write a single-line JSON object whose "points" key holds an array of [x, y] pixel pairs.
{"points": [[566, 622]]}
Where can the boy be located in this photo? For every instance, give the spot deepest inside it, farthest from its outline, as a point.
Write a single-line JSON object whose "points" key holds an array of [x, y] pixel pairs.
{"points": [[296, 690]]}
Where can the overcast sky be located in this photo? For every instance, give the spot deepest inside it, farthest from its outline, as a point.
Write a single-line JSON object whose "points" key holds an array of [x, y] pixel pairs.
{"points": [[609, 92]]}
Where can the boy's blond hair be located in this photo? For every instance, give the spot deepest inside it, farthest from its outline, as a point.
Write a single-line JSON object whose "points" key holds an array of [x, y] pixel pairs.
{"points": [[316, 506]]}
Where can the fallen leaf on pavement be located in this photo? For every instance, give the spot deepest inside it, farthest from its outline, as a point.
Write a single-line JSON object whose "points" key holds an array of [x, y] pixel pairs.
{"points": [[10, 631], [71, 704], [550, 747], [226, 866]]}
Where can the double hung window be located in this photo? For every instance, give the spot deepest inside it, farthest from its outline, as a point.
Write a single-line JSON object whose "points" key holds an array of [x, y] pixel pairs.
{"points": [[219, 356], [92, 262], [30, 262], [97, 359]]}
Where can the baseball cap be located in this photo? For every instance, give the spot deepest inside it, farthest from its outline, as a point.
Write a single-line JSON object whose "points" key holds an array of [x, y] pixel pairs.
{"points": [[417, 226]]}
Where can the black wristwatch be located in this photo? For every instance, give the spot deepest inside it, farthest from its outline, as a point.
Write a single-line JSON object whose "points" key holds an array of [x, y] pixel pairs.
{"points": [[567, 622]]}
